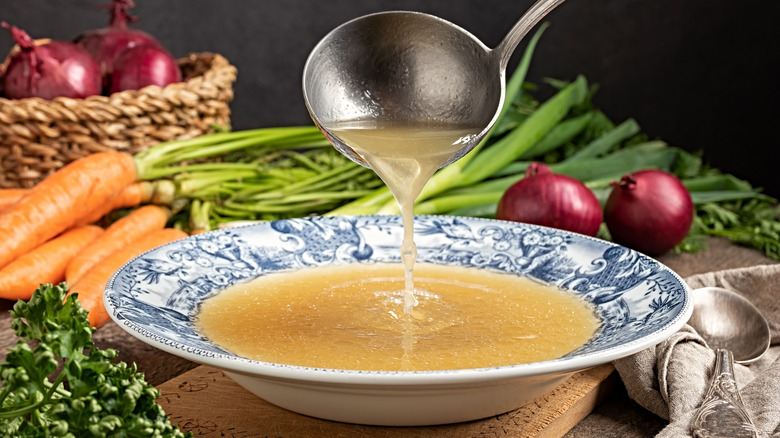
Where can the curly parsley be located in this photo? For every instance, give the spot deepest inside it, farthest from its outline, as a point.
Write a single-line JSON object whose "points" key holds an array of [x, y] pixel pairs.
{"points": [[56, 383]]}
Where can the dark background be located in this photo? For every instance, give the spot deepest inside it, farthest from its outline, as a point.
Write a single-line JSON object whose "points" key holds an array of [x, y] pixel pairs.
{"points": [[700, 74]]}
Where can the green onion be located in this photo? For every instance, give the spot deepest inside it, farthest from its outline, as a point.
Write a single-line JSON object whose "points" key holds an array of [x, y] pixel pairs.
{"points": [[283, 172], [559, 135], [607, 142]]}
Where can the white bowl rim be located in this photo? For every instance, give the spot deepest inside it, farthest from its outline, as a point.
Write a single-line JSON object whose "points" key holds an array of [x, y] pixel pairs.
{"points": [[399, 379]]}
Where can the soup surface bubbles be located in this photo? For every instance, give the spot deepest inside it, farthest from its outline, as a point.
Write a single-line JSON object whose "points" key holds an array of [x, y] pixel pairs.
{"points": [[352, 317]]}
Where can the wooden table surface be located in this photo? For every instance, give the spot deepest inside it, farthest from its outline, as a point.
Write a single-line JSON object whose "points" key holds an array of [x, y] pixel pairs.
{"points": [[618, 416]]}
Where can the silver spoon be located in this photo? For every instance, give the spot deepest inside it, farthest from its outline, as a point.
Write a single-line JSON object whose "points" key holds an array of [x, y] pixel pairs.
{"points": [[410, 66], [738, 332]]}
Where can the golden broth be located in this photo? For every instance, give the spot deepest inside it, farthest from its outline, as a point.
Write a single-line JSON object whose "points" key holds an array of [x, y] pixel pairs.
{"points": [[352, 317]]}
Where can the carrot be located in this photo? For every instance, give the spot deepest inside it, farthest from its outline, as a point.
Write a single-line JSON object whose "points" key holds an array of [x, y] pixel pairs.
{"points": [[121, 233], [61, 200], [44, 264], [135, 194], [91, 285], [160, 192], [10, 196]]}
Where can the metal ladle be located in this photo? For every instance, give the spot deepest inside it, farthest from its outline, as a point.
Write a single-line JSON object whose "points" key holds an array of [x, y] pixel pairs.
{"points": [[737, 331], [410, 66]]}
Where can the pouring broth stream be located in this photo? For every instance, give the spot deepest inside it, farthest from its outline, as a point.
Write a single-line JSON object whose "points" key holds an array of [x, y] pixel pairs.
{"points": [[405, 154]]}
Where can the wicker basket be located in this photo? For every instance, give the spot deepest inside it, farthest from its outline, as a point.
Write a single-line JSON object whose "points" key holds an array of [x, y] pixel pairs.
{"points": [[39, 136]]}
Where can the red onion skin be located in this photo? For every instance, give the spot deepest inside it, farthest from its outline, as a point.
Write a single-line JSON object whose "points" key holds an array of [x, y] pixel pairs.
{"points": [[142, 66], [54, 69], [552, 200], [106, 44], [650, 211]]}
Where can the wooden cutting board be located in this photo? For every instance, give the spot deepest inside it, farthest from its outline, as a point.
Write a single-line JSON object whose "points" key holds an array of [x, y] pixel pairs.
{"points": [[210, 404]]}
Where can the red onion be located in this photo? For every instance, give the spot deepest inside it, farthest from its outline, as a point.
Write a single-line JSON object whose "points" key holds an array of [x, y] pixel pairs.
{"points": [[49, 70], [553, 200], [107, 43], [650, 211], [140, 66]]}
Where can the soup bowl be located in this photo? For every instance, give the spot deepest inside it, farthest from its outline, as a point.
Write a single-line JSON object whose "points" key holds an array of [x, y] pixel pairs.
{"points": [[639, 302]]}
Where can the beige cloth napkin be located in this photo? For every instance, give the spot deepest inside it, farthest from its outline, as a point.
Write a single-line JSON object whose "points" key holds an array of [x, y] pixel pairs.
{"points": [[671, 379]]}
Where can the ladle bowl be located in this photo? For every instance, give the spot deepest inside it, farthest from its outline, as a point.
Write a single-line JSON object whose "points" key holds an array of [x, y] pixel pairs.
{"points": [[410, 66]]}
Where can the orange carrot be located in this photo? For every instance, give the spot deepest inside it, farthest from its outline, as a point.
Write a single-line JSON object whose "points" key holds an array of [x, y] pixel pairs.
{"points": [[61, 200], [91, 285], [10, 196], [120, 234], [131, 196], [160, 192], [44, 264]]}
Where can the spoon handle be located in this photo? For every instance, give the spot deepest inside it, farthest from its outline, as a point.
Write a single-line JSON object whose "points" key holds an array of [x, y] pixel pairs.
{"points": [[532, 16], [722, 413]]}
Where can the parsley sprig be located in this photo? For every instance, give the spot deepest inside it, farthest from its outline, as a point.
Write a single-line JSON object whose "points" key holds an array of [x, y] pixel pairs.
{"points": [[56, 383], [753, 223]]}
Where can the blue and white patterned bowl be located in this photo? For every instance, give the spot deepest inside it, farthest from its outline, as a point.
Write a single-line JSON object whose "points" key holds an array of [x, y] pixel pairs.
{"points": [[156, 296]]}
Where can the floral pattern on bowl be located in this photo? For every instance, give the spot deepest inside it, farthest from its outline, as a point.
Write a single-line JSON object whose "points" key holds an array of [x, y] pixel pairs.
{"points": [[638, 300]]}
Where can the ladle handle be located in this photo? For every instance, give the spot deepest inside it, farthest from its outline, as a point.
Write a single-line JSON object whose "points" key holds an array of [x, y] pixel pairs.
{"points": [[722, 413], [532, 16]]}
